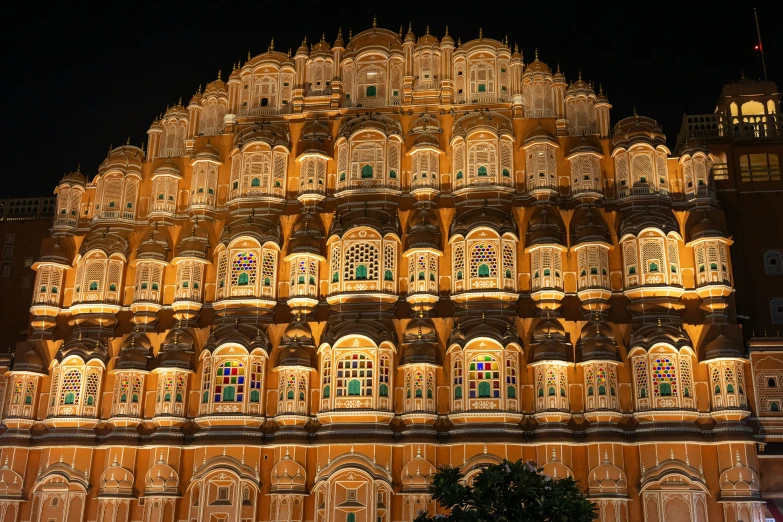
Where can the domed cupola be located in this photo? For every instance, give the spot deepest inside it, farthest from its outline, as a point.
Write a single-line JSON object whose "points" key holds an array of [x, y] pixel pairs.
{"points": [[419, 362], [537, 87], [423, 250], [173, 367], [640, 159], [696, 163], [134, 353], [648, 335], [585, 161], [483, 154], [305, 247], [259, 166], [48, 289], [165, 191], [69, 196], [321, 48], [551, 356], [591, 241], [541, 162], [117, 187], [597, 343], [726, 369], [26, 367], [546, 246], [313, 157], [580, 101], [712, 265], [484, 253], [425, 156], [191, 257], [294, 364], [193, 243]]}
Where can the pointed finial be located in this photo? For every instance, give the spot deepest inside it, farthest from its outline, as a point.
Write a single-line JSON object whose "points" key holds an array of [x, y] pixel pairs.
{"points": [[481, 33], [516, 48], [127, 140], [400, 32], [351, 448], [340, 32], [428, 29], [350, 34], [220, 74], [738, 458], [485, 448], [600, 88], [374, 22], [289, 52], [671, 454], [536, 53], [606, 457], [248, 56], [659, 322], [180, 101], [272, 45], [580, 75], [447, 31], [459, 41], [634, 111]]}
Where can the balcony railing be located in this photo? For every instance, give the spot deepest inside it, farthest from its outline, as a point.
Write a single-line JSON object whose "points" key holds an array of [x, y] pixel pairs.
{"points": [[716, 126]]}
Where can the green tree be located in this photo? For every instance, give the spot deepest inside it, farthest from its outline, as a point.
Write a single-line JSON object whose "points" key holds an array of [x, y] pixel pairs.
{"points": [[508, 492]]}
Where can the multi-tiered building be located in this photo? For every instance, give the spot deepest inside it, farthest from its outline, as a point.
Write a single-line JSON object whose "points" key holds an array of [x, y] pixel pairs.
{"points": [[339, 270]]}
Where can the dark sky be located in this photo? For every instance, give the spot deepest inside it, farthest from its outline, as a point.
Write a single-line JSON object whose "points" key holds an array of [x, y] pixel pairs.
{"points": [[82, 76]]}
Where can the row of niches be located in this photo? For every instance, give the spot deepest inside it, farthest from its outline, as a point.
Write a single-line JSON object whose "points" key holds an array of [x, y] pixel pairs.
{"points": [[378, 482], [354, 379], [363, 250], [371, 155]]}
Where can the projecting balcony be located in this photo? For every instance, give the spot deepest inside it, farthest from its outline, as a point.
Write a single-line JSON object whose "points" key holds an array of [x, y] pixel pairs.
{"points": [[717, 127], [269, 111], [65, 222]]}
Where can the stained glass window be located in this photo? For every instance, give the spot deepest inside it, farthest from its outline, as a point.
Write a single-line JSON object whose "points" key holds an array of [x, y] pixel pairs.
{"points": [[356, 367], [600, 380], [511, 377], [484, 377], [229, 382], [483, 260], [457, 376], [243, 269], [640, 367], [383, 376], [664, 376], [71, 387]]}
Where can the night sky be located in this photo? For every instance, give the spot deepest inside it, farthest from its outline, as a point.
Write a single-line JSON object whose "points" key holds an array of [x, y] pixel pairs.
{"points": [[80, 77]]}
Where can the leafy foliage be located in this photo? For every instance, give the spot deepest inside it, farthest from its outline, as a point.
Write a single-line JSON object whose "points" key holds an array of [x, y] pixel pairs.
{"points": [[509, 492]]}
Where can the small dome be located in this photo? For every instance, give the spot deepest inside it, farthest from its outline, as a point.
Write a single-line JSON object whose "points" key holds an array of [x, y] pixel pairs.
{"points": [[653, 217], [447, 39], [585, 146], [410, 37], [339, 43], [126, 158], [544, 229], [177, 350], [54, 253], [107, 242], [649, 335], [580, 87], [427, 40], [193, 243], [134, 352], [215, 88], [540, 134], [419, 352], [322, 48], [706, 228], [722, 346], [495, 123], [638, 129], [154, 247], [537, 66], [308, 234], [422, 230], [260, 228], [597, 343], [74, 178], [168, 168], [206, 152], [589, 227], [28, 358], [499, 219]]}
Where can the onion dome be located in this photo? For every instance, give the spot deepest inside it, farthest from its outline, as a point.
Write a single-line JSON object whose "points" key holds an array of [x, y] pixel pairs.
{"points": [[322, 48], [297, 345], [580, 87], [652, 217], [649, 335], [134, 352], [177, 351], [559, 77], [597, 343], [706, 228], [383, 40], [288, 476], [501, 220], [544, 229], [124, 158], [107, 242], [75, 178], [54, 253], [193, 243], [196, 98], [721, 346], [495, 328], [447, 39], [28, 358], [215, 88], [549, 341], [339, 43], [409, 36], [246, 335], [539, 135], [387, 125], [206, 152], [585, 145], [420, 351], [638, 129], [589, 227], [537, 66], [168, 168], [154, 247], [427, 40], [601, 97], [457, 336], [422, 230], [308, 235], [261, 228], [303, 49]]}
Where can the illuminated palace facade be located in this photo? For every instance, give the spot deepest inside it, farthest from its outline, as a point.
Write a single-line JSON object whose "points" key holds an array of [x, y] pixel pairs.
{"points": [[338, 270]]}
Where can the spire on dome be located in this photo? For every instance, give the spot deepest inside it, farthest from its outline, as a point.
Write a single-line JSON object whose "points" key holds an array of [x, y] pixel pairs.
{"points": [[271, 45], [374, 21], [481, 33]]}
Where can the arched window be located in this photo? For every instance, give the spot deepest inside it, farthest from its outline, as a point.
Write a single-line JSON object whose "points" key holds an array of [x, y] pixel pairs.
{"points": [[483, 270], [255, 182], [482, 170], [388, 276], [372, 90], [354, 387], [243, 279], [361, 272], [229, 382], [366, 171], [484, 377]]}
